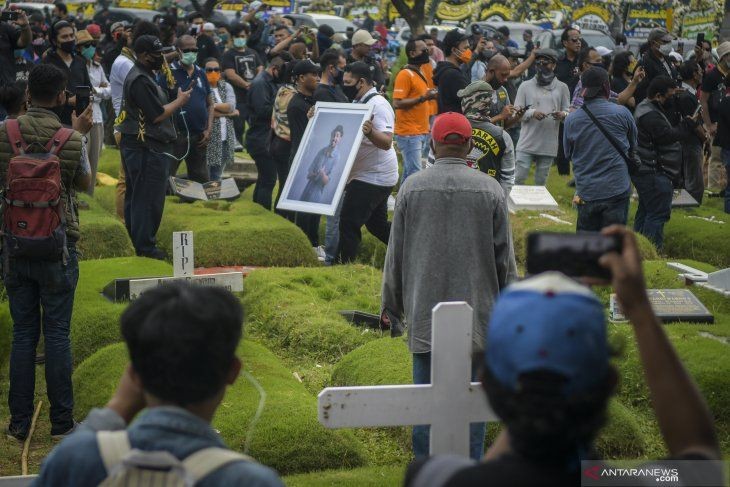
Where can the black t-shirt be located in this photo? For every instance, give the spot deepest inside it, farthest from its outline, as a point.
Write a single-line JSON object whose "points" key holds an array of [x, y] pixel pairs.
{"points": [[722, 138], [329, 93], [77, 74], [9, 36], [686, 103], [567, 72], [245, 63], [716, 85], [619, 84], [143, 94], [296, 112]]}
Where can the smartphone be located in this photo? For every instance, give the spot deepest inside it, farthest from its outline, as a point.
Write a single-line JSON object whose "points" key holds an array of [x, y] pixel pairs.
{"points": [[83, 98], [700, 38], [573, 254], [9, 15], [697, 110], [537, 44]]}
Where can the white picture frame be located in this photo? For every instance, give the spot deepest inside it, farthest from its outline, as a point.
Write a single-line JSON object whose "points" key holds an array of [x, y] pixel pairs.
{"points": [[305, 189]]}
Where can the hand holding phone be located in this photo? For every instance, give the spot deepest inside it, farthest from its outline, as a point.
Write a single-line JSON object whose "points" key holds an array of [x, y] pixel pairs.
{"points": [[573, 254]]}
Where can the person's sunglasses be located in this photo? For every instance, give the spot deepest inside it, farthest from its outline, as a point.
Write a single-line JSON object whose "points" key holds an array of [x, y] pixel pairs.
{"points": [[574, 39], [192, 49], [212, 70]]}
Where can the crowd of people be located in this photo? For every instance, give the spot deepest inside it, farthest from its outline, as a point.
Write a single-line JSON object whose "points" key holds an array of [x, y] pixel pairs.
{"points": [[470, 116]]}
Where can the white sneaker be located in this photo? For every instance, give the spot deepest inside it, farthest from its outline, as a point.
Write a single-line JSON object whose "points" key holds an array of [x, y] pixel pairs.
{"points": [[320, 253]]}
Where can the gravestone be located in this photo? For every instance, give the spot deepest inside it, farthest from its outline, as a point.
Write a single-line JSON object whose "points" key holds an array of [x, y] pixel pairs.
{"points": [[670, 305], [17, 480], [448, 404], [212, 190], [523, 197], [682, 199], [718, 281], [128, 289]]}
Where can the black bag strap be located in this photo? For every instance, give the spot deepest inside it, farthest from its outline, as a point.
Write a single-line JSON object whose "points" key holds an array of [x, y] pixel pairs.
{"points": [[608, 136], [369, 97], [418, 72]]}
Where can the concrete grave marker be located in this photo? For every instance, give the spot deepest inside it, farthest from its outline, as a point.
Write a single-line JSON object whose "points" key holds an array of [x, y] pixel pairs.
{"points": [[718, 281], [670, 305], [448, 404], [128, 289], [524, 197], [682, 199]]}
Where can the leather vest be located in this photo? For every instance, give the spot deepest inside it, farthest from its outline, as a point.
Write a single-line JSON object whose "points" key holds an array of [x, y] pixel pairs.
{"points": [[666, 158], [131, 120], [37, 127], [488, 149]]}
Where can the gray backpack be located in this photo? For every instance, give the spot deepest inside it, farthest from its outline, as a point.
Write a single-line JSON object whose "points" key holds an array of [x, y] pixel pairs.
{"points": [[126, 466]]}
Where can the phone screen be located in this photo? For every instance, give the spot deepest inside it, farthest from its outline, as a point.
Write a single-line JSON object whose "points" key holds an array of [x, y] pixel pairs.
{"points": [[83, 98], [573, 254]]}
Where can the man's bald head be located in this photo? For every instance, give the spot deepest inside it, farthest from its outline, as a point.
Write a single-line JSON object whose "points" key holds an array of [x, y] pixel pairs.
{"points": [[498, 70], [186, 42]]}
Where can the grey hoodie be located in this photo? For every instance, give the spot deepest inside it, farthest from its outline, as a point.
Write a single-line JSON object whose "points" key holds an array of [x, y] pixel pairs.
{"points": [[540, 137]]}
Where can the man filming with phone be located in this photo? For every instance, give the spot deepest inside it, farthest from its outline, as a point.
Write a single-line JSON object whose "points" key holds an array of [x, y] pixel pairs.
{"points": [[148, 132], [15, 33]]}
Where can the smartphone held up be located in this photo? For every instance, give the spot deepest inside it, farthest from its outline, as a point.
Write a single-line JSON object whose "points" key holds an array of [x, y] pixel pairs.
{"points": [[573, 254]]}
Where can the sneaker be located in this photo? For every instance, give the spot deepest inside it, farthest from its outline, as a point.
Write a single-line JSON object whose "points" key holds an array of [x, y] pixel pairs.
{"points": [[158, 254], [320, 253], [15, 433], [63, 434]]}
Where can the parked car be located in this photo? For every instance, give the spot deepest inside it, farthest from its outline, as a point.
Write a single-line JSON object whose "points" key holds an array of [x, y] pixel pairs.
{"points": [[339, 24], [116, 14]]}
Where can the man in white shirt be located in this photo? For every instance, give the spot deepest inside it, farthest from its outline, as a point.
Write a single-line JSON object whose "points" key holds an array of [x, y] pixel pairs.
{"points": [[375, 170]]}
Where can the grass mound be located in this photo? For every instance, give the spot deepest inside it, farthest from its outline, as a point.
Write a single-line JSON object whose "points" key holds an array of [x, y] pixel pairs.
{"points": [[102, 234], [237, 233], [382, 476], [288, 422], [295, 311], [689, 235], [95, 319]]}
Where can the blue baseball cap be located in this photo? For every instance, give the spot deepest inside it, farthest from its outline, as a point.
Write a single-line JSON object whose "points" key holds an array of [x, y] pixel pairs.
{"points": [[548, 322]]}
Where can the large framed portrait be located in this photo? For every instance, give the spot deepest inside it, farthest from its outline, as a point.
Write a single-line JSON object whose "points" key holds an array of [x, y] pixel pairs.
{"points": [[324, 158]]}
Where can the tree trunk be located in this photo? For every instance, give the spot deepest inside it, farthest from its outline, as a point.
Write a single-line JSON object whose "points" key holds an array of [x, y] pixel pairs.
{"points": [[414, 16]]}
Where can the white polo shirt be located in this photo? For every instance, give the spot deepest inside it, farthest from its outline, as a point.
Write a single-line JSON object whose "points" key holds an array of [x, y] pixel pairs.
{"points": [[373, 165]]}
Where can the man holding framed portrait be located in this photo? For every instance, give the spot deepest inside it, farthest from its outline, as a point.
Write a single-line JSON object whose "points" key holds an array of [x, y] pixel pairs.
{"points": [[375, 170]]}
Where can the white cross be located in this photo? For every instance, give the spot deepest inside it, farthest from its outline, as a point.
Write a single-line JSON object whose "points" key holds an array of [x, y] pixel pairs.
{"points": [[448, 404]]}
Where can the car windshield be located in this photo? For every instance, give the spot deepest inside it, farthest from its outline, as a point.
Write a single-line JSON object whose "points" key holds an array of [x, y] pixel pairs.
{"points": [[338, 24], [597, 39]]}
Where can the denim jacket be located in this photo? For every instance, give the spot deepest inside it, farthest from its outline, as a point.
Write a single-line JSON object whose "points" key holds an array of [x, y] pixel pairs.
{"points": [[76, 460]]}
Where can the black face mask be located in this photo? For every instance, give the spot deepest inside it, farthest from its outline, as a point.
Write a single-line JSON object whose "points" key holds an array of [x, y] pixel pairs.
{"points": [[338, 78], [422, 58], [67, 46], [155, 62], [350, 91], [544, 76]]}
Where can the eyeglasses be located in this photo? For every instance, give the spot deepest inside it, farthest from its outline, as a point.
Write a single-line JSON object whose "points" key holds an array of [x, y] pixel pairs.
{"points": [[543, 62], [212, 70], [192, 49], [575, 39]]}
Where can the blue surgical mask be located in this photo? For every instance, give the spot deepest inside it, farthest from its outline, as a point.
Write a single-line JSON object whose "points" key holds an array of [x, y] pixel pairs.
{"points": [[88, 52], [189, 58], [18, 52], [239, 42]]}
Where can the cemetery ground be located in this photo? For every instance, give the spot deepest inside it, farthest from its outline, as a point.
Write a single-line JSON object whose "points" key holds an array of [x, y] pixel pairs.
{"points": [[296, 343]]}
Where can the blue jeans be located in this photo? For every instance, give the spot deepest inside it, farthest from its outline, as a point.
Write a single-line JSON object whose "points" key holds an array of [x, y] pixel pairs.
{"points": [[725, 154], [332, 235], [427, 138], [595, 215], [41, 296], [421, 434], [411, 148], [655, 205], [144, 200], [523, 161]]}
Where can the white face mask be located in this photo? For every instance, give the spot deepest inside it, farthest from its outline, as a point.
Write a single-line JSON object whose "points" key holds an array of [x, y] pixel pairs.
{"points": [[666, 48]]}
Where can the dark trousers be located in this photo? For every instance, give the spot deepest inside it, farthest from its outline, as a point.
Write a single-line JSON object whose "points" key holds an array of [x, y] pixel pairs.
{"points": [[195, 160], [266, 167], [280, 151], [595, 215], [655, 205], [561, 161], [41, 296], [309, 223], [694, 181], [146, 177], [239, 122], [363, 204]]}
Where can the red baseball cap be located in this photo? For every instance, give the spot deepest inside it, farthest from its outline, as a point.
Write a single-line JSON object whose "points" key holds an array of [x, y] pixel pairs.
{"points": [[451, 123], [94, 30]]}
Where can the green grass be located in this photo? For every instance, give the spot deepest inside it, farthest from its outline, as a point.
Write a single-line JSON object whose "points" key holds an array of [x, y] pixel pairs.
{"points": [[381, 476], [102, 234], [237, 233], [287, 436], [95, 320]]}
